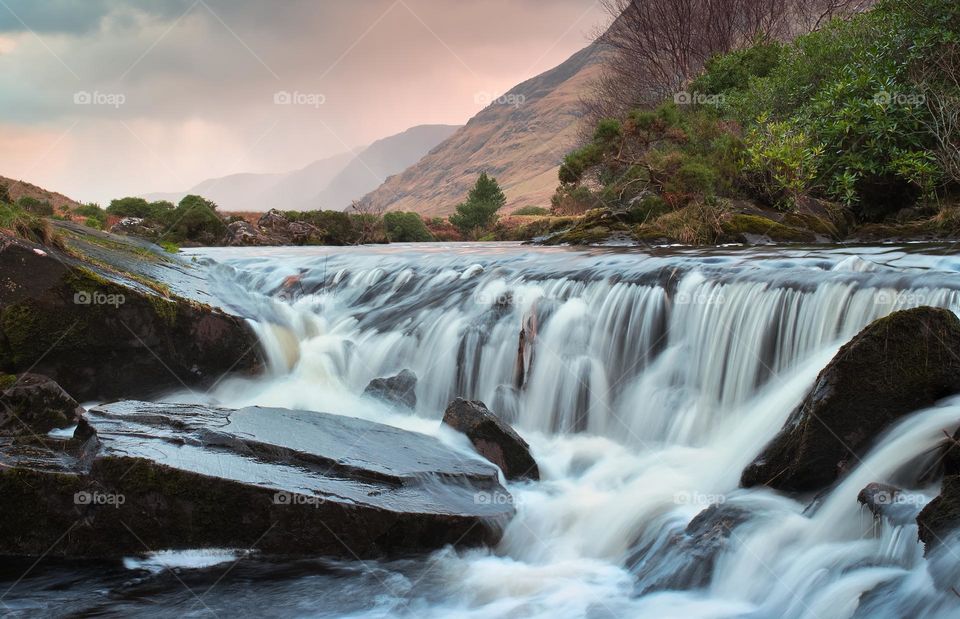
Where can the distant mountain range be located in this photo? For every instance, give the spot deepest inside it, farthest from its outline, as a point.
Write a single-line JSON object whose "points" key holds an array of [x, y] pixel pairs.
{"points": [[329, 184], [520, 138]]}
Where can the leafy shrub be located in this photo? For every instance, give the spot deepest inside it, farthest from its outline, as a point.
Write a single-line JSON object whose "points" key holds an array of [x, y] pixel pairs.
{"points": [[138, 207], [531, 211], [780, 162], [195, 219], [406, 228], [35, 207]]}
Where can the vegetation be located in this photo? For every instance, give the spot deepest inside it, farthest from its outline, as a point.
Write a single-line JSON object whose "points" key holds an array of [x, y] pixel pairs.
{"points": [[138, 207], [479, 212], [531, 211], [854, 122], [406, 228]]}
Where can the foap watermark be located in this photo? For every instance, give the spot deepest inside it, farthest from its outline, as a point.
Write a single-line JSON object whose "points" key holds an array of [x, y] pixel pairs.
{"points": [[309, 99], [95, 297], [903, 298], [484, 98], [892, 498], [293, 498], [495, 498], [698, 98], [99, 498], [698, 499], [899, 98], [110, 99], [699, 297]]}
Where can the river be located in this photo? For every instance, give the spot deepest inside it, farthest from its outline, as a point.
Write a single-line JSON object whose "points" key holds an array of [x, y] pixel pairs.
{"points": [[648, 381]]}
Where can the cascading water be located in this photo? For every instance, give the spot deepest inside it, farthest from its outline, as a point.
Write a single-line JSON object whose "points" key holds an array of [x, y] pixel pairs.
{"points": [[645, 383]]}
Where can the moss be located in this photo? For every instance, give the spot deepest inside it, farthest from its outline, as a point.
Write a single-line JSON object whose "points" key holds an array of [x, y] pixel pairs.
{"points": [[740, 224], [807, 221], [7, 381], [166, 309]]}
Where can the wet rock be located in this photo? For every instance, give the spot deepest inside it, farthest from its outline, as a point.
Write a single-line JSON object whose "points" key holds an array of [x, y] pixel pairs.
{"points": [[492, 438], [896, 366], [686, 560], [140, 476], [104, 332], [33, 405], [399, 390], [136, 226], [890, 502], [941, 517]]}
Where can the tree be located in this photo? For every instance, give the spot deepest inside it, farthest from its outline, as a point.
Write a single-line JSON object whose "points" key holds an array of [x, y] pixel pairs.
{"points": [[369, 222], [195, 219], [138, 207], [479, 212]]}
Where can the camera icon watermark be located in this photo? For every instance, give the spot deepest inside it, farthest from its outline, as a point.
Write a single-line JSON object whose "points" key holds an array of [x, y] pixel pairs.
{"points": [[904, 298], [495, 498], [308, 99], [99, 498], [898, 98], [110, 99], [293, 498], [698, 98], [86, 297], [484, 98]]}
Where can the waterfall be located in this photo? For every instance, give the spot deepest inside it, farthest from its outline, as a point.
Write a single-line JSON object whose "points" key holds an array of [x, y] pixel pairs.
{"points": [[644, 382]]}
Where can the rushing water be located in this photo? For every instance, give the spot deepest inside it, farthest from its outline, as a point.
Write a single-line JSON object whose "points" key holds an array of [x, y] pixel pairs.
{"points": [[645, 384]]}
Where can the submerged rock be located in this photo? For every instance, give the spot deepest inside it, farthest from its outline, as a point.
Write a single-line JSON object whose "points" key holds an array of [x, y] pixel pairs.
{"points": [[886, 501], [399, 390], [32, 405], [492, 438], [102, 331], [141, 476], [896, 366]]}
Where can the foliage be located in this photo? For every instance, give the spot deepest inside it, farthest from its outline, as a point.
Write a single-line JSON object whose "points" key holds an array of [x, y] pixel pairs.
{"points": [[138, 207], [95, 217], [5, 194], [406, 228], [35, 206], [531, 211], [780, 162], [479, 212], [194, 219]]}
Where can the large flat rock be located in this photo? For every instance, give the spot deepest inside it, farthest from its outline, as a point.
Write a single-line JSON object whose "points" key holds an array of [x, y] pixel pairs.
{"points": [[142, 476]]}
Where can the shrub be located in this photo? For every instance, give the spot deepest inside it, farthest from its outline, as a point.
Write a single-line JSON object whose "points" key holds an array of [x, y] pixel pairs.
{"points": [[35, 207], [5, 194], [195, 219], [406, 228], [138, 207], [531, 210], [780, 162]]}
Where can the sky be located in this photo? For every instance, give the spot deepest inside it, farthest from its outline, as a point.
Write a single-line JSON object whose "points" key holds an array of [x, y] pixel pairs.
{"points": [[106, 98]]}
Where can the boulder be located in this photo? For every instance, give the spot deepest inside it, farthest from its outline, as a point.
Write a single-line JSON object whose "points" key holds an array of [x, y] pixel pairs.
{"points": [[281, 231], [104, 332], [941, 517], [143, 476], [136, 226], [686, 560], [244, 234], [399, 390], [895, 366], [886, 501], [33, 405], [492, 438]]}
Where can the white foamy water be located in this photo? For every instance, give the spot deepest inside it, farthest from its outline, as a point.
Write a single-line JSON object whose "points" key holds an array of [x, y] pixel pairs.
{"points": [[647, 383]]}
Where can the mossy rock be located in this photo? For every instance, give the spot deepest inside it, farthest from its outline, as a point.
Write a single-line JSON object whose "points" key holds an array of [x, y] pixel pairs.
{"points": [[742, 227], [897, 365]]}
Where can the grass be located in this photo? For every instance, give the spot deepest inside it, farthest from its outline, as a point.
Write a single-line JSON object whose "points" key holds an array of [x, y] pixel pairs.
{"points": [[29, 227]]}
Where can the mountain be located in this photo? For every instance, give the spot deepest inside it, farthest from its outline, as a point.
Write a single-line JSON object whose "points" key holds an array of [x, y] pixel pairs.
{"points": [[377, 162], [18, 189], [329, 184], [261, 192], [520, 139]]}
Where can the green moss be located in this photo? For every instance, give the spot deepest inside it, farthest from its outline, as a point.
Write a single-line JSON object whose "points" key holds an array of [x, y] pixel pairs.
{"points": [[740, 224], [7, 381]]}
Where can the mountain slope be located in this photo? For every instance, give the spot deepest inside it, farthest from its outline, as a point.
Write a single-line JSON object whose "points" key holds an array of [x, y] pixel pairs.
{"points": [[521, 144], [377, 162], [18, 189]]}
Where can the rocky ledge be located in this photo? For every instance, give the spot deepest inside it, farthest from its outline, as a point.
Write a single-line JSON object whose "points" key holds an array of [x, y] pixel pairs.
{"points": [[139, 477], [109, 317]]}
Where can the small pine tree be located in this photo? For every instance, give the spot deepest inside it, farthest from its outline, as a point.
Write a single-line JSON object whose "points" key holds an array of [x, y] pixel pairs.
{"points": [[479, 212]]}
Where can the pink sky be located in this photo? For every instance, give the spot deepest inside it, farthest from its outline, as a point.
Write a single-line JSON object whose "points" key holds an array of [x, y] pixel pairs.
{"points": [[100, 99]]}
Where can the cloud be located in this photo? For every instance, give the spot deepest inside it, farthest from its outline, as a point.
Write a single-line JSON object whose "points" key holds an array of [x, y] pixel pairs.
{"points": [[380, 65]]}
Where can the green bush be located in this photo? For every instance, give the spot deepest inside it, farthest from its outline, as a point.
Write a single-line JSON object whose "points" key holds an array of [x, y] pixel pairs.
{"points": [[781, 162], [531, 210], [5, 194], [138, 207], [195, 219], [406, 228], [33, 206]]}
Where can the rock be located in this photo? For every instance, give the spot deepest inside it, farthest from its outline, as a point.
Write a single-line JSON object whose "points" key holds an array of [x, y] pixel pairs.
{"points": [[33, 405], [686, 561], [282, 231], [136, 226], [140, 476], [244, 234], [890, 502], [103, 332], [894, 367], [941, 517], [399, 390], [492, 438]]}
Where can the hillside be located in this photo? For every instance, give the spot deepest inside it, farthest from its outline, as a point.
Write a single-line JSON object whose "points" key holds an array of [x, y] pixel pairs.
{"points": [[376, 163], [18, 189], [521, 142]]}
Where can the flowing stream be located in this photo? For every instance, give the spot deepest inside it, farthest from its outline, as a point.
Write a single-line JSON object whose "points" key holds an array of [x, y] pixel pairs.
{"points": [[645, 383]]}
